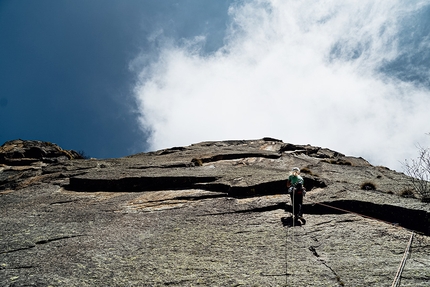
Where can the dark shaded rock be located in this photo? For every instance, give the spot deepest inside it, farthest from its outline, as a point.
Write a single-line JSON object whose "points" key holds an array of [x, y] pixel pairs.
{"points": [[24, 152]]}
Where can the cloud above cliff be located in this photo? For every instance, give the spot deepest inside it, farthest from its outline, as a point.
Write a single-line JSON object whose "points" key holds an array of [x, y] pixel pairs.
{"points": [[332, 74]]}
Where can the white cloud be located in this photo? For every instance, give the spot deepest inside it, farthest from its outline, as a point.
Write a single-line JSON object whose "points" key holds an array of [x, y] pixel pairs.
{"points": [[301, 71]]}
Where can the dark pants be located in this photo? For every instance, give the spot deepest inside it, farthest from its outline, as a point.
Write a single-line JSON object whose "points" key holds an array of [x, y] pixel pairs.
{"points": [[297, 202]]}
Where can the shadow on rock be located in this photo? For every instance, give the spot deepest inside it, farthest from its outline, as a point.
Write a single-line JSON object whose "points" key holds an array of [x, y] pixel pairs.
{"points": [[290, 222]]}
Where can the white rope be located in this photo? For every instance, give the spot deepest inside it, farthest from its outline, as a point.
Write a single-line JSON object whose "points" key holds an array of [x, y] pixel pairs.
{"points": [[286, 242], [286, 258], [402, 263], [396, 281]]}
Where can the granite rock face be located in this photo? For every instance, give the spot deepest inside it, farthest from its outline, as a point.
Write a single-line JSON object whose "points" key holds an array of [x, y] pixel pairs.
{"points": [[209, 214], [24, 152]]}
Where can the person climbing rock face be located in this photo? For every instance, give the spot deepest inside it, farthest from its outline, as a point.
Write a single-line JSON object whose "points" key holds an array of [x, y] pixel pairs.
{"points": [[297, 191]]}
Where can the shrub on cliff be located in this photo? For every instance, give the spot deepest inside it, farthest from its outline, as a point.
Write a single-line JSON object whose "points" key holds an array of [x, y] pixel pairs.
{"points": [[419, 171]]}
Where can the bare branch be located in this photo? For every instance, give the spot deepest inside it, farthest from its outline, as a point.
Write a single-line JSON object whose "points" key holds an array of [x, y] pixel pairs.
{"points": [[419, 171]]}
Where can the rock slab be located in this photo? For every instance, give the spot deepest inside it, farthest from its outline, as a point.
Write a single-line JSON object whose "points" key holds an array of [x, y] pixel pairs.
{"points": [[209, 214]]}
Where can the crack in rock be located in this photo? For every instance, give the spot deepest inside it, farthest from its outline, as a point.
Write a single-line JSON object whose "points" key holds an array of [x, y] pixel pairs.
{"points": [[63, 202], [18, 249], [412, 219], [40, 242], [338, 279], [45, 241], [234, 156], [18, 267], [314, 251]]}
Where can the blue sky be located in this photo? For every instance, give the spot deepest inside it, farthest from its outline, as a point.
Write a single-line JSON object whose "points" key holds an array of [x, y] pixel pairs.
{"points": [[65, 75], [113, 78]]}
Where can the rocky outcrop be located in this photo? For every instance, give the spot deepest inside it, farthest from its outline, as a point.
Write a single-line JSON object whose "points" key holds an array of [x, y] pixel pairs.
{"points": [[26, 162], [209, 214], [24, 152]]}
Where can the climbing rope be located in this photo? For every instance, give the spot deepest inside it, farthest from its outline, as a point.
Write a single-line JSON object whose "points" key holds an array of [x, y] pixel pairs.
{"points": [[286, 242], [348, 211], [396, 281]]}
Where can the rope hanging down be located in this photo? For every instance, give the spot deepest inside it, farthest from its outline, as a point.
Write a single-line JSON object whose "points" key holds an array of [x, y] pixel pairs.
{"points": [[351, 212], [286, 243], [396, 281]]}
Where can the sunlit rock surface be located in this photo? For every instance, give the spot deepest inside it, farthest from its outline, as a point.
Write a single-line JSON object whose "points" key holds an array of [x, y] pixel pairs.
{"points": [[209, 214]]}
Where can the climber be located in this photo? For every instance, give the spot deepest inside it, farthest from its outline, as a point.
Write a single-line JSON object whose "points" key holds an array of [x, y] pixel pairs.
{"points": [[297, 191]]}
